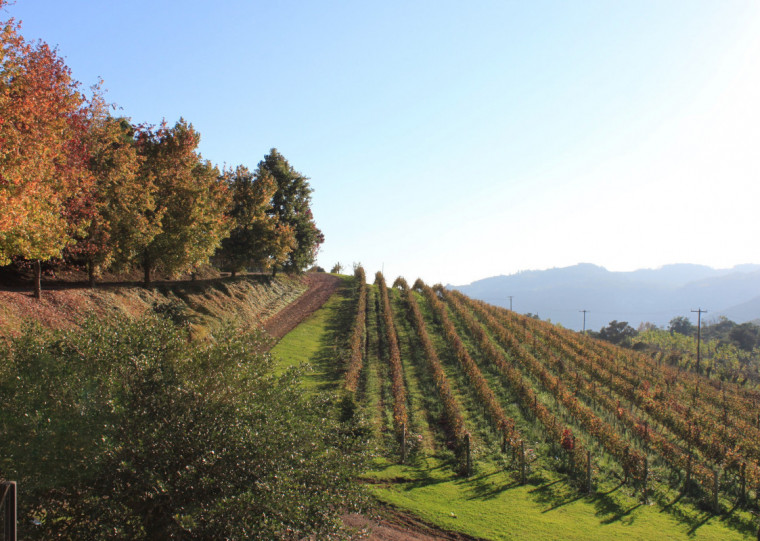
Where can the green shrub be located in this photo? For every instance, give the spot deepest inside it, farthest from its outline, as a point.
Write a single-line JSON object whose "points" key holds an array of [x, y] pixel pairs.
{"points": [[132, 431]]}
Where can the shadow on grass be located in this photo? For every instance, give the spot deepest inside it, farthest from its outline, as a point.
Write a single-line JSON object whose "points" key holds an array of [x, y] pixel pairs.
{"points": [[547, 486], [740, 522], [682, 506], [555, 494], [606, 505], [329, 361], [487, 489]]}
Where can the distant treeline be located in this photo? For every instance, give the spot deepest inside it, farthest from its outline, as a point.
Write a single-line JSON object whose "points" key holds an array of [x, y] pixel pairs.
{"points": [[87, 189], [728, 350]]}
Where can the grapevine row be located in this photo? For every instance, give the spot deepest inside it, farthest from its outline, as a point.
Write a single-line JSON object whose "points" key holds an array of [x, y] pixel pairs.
{"points": [[505, 425], [397, 373], [454, 419], [631, 461], [711, 396], [667, 412], [687, 423], [357, 333]]}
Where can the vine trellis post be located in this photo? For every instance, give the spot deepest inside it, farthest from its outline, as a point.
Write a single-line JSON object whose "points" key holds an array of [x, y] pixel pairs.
{"points": [[8, 505]]}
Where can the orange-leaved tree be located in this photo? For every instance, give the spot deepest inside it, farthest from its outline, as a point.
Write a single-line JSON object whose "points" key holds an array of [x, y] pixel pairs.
{"points": [[43, 156], [120, 204]]}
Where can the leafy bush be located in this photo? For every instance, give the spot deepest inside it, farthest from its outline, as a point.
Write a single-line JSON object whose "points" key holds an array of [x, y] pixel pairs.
{"points": [[131, 431]]}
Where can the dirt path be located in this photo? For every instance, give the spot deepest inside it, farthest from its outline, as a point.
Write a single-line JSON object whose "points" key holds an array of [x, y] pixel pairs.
{"points": [[321, 287], [394, 525]]}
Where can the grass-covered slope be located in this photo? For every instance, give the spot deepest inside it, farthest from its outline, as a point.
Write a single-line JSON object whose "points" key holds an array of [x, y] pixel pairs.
{"points": [[251, 299], [162, 416]]}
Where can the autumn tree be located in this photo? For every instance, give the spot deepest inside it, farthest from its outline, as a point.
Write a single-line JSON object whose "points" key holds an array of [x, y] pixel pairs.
{"points": [[43, 158], [119, 202], [258, 238], [191, 199], [291, 203]]}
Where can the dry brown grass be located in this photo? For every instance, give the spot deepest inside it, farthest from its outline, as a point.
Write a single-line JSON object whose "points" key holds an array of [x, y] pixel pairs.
{"points": [[251, 298]]}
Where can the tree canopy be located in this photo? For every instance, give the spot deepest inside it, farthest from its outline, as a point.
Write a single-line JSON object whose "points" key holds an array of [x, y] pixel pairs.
{"points": [[682, 325], [106, 194], [43, 157], [291, 203], [191, 200], [258, 238], [617, 332], [118, 203]]}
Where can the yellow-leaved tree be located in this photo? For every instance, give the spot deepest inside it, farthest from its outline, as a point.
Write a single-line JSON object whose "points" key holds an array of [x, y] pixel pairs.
{"points": [[190, 200]]}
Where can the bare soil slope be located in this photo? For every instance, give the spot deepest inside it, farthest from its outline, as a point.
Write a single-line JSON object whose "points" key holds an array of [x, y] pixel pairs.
{"points": [[320, 287], [395, 525]]}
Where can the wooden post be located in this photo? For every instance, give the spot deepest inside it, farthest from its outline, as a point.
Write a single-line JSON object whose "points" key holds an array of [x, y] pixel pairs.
{"points": [[646, 435], [503, 440], [37, 279], [625, 465], [588, 472], [468, 466], [10, 515], [743, 492], [522, 462], [646, 478], [403, 443], [716, 473], [688, 473]]}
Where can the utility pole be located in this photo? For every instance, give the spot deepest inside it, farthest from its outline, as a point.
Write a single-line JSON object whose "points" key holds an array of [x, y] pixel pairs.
{"points": [[584, 320], [699, 313], [510, 303]]}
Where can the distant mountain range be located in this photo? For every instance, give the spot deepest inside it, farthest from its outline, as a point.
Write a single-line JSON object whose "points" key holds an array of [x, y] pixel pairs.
{"points": [[653, 295]]}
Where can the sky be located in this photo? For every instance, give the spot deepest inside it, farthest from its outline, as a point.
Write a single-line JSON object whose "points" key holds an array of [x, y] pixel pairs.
{"points": [[454, 141]]}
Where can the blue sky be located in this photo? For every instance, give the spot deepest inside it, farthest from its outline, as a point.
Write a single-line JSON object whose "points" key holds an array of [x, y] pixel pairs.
{"points": [[454, 141]]}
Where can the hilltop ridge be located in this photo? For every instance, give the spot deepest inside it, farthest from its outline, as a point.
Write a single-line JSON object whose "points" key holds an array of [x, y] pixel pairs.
{"points": [[644, 295]]}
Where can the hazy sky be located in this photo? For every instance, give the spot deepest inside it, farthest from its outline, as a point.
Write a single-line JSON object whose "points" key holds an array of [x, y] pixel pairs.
{"points": [[458, 140]]}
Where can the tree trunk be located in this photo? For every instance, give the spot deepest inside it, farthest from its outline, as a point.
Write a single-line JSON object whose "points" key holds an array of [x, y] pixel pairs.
{"points": [[91, 274], [37, 279], [147, 264]]}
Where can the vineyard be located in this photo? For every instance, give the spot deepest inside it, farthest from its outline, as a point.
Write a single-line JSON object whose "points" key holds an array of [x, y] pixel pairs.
{"points": [[488, 392]]}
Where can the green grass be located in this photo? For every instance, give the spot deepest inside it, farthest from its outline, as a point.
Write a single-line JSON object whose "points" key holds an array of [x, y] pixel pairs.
{"points": [[370, 390], [490, 504], [317, 341]]}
